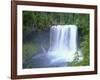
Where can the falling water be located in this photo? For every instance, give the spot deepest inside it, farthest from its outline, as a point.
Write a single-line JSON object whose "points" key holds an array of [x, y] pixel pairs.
{"points": [[63, 48], [63, 43]]}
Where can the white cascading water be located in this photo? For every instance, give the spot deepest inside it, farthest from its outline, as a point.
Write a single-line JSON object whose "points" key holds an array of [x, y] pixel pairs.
{"points": [[63, 43]]}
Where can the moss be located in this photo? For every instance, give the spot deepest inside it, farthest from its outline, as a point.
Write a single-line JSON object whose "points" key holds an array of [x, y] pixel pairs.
{"points": [[29, 49], [29, 66]]}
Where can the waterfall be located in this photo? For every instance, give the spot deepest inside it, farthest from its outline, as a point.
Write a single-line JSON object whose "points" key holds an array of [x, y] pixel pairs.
{"points": [[63, 43]]}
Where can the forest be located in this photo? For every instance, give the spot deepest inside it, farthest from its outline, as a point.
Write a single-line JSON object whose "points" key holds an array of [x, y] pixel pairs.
{"points": [[36, 26]]}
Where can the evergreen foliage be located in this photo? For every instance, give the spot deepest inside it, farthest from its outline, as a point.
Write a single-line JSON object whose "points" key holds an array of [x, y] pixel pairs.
{"points": [[41, 21]]}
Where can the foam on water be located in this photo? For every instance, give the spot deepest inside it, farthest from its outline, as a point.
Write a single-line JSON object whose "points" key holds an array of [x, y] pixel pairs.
{"points": [[63, 43]]}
